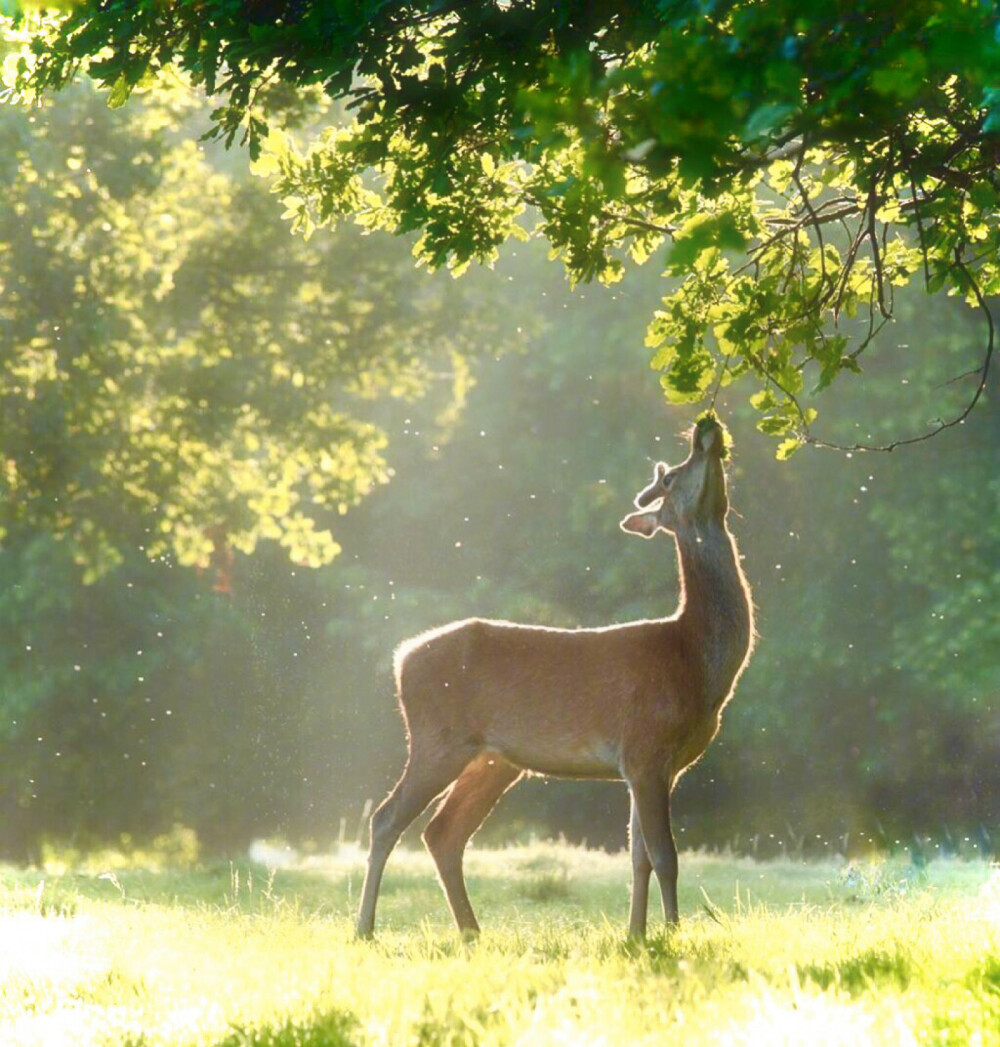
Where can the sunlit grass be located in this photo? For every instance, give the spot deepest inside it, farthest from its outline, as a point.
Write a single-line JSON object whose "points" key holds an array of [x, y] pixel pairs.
{"points": [[774, 953]]}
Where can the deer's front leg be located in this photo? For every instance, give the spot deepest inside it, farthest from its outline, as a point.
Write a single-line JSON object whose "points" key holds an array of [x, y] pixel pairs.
{"points": [[651, 798], [641, 868]]}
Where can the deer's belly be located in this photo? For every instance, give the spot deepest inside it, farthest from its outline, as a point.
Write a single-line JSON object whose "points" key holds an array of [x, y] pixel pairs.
{"points": [[584, 759]]}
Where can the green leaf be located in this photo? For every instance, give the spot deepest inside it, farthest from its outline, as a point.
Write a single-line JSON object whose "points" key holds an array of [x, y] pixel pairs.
{"points": [[904, 78], [703, 233], [765, 400], [983, 195], [774, 424], [120, 92], [766, 119], [689, 378]]}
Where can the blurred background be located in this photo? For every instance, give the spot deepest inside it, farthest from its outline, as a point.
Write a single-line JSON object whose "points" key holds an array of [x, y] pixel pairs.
{"points": [[178, 647]]}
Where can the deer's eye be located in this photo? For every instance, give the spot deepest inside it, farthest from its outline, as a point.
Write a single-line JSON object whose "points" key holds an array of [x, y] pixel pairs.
{"points": [[668, 479]]}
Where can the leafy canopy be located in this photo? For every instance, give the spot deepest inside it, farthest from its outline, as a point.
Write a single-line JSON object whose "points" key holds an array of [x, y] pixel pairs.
{"points": [[805, 159]]}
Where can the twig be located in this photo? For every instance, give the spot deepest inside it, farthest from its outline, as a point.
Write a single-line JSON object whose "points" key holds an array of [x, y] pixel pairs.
{"points": [[873, 240], [941, 425], [959, 377], [718, 381], [807, 203], [920, 232], [845, 274]]}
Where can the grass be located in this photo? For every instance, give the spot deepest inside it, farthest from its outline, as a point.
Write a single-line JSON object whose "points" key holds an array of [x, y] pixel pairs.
{"points": [[233, 956]]}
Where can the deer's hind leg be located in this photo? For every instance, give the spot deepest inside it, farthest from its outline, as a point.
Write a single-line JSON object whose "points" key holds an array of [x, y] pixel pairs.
{"points": [[460, 814], [428, 772]]}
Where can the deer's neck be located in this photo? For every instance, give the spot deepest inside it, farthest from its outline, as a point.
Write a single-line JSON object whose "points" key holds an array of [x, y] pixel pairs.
{"points": [[716, 612]]}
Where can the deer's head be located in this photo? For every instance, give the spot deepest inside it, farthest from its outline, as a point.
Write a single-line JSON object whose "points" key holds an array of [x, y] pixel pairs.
{"points": [[686, 495]]}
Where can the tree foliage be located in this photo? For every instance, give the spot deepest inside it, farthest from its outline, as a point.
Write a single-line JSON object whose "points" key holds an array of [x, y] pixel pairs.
{"points": [[804, 160], [177, 373]]}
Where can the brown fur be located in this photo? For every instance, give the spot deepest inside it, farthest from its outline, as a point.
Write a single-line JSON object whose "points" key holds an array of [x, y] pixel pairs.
{"points": [[485, 701]]}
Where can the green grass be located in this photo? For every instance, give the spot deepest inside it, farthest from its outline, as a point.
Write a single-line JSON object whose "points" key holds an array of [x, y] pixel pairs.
{"points": [[771, 953]]}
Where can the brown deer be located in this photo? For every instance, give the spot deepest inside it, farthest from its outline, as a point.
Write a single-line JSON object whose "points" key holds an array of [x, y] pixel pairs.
{"points": [[487, 701]]}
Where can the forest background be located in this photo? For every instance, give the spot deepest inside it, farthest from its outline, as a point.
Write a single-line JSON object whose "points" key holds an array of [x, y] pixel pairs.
{"points": [[470, 445]]}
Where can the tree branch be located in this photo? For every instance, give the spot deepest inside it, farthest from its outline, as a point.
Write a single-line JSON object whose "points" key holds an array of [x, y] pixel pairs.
{"points": [[983, 370], [814, 222]]}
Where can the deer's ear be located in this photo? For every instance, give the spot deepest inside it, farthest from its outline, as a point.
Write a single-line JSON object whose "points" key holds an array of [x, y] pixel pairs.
{"points": [[643, 524]]}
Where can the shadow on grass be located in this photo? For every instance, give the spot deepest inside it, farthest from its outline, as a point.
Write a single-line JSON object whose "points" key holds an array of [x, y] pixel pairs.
{"points": [[330, 1029], [337, 1028], [987, 976], [546, 885], [872, 968]]}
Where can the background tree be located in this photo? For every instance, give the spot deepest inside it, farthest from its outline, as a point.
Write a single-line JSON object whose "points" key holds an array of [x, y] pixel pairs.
{"points": [[179, 380], [155, 388], [805, 159]]}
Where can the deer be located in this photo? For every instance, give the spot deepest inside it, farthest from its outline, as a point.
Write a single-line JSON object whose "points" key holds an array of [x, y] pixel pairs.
{"points": [[485, 702]]}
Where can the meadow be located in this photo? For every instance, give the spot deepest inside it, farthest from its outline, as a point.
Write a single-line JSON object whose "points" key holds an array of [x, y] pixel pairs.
{"points": [[231, 954]]}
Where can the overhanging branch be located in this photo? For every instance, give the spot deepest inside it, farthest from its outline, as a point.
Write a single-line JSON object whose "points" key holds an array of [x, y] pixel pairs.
{"points": [[983, 371]]}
